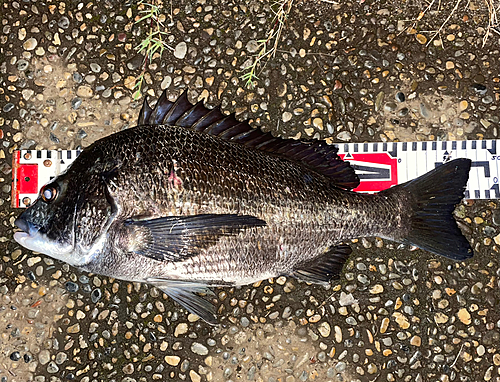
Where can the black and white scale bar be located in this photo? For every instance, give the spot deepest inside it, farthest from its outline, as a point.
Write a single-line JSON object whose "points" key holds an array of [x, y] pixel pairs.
{"points": [[38, 156], [417, 158], [411, 159]]}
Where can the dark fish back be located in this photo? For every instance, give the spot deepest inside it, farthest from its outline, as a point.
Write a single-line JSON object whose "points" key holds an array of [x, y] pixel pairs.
{"points": [[204, 154], [316, 155], [160, 161]]}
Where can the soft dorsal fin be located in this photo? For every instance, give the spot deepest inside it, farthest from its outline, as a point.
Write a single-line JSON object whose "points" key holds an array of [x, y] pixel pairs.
{"points": [[316, 155]]}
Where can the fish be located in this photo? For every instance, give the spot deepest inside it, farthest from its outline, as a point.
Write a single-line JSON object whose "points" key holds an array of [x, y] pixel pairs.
{"points": [[191, 199]]}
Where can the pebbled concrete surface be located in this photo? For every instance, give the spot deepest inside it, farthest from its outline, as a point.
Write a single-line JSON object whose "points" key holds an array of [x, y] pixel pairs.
{"points": [[348, 72]]}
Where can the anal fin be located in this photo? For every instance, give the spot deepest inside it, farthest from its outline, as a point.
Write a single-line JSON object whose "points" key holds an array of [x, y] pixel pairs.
{"points": [[325, 267]]}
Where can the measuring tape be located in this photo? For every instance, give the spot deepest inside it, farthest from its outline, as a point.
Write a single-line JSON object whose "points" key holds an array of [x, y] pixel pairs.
{"points": [[378, 165], [383, 165], [31, 169]]}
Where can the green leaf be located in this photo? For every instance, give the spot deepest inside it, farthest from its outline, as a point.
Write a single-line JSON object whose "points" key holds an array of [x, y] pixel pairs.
{"points": [[148, 16]]}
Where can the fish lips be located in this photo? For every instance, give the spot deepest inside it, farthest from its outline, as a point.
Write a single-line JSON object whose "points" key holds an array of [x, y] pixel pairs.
{"points": [[27, 227], [29, 234], [33, 239]]}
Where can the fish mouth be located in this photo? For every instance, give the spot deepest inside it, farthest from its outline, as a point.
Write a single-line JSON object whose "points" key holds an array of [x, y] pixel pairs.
{"points": [[28, 228], [31, 238]]}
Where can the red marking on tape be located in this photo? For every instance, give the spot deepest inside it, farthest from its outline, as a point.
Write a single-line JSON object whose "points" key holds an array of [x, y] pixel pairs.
{"points": [[14, 199], [28, 178], [24, 179], [377, 171]]}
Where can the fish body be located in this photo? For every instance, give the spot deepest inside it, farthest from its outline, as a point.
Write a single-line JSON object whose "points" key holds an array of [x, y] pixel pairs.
{"points": [[191, 199]]}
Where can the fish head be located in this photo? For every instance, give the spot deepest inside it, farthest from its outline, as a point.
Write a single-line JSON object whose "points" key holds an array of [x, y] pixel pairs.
{"points": [[47, 226], [66, 220]]}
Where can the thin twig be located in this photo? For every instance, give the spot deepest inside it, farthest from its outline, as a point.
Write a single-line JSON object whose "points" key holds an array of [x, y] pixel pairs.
{"points": [[458, 355], [280, 18], [419, 17], [152, 43], [492, 20], [445, 21]]}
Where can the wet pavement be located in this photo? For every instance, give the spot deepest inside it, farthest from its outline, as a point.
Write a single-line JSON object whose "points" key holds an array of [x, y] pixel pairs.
{"points": [[350, 72]]}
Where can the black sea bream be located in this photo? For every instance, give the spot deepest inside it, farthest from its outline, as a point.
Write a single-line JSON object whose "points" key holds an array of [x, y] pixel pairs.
{"points": [[191, 198]]}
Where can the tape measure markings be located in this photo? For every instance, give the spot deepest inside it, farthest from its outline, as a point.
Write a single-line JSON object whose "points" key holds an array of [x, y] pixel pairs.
{"points": [[380, 165]]}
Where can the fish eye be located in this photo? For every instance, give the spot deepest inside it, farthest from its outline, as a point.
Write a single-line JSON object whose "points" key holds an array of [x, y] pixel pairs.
{"points": [[48, 193]]}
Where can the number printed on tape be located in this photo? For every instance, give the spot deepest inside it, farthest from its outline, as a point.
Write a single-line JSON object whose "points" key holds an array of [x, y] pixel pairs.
{"points": [[379, 165]]}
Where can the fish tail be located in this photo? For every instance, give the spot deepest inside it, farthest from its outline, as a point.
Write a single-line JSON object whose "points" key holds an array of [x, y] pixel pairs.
{"points": [[433, 197]]}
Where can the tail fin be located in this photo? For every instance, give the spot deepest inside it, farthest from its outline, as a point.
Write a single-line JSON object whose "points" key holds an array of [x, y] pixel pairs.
{"points": [[433, 197]]}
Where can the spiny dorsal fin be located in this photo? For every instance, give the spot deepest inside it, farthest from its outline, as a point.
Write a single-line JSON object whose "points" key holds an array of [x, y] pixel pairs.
{"points": [[162, 107], [145, 113], [316, 155], [180, 107]]}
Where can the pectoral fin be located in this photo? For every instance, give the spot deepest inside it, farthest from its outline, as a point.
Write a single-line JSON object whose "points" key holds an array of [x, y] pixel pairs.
{"points": [[325, 267], [176, 238], [185, 293]]}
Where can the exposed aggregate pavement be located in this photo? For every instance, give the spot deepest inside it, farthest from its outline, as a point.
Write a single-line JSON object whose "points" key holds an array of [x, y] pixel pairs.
{"points": [[348, 72]]}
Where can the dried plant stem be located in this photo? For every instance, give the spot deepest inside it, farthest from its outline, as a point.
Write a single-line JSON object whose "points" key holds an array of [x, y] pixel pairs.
{"points": [[445, 22], [154, 41], [493, 23], [280, 17]]}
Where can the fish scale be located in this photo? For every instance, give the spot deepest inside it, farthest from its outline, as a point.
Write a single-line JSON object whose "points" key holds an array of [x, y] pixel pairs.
{"points": [[215, 202], [272, 191]]}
